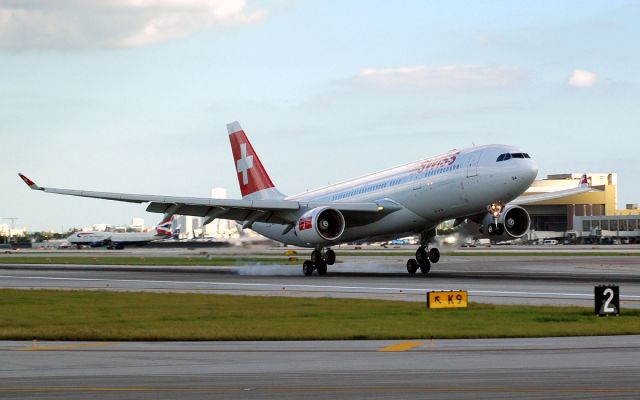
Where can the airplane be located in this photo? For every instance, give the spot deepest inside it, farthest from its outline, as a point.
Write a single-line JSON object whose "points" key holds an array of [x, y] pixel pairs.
{"points": [[481, 183], [118, 240]]}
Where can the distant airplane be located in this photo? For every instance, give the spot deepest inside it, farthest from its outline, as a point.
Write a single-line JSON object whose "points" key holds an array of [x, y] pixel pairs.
{"points": [[480, 184], [118, 240]]}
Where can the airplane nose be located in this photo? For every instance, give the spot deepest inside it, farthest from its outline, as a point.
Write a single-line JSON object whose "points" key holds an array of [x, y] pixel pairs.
{"points": [[531, 171]]}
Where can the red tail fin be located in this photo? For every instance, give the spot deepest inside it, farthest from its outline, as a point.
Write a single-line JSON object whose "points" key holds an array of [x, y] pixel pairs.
{"points": [[252, 176], [164, 227], [584, 181]]}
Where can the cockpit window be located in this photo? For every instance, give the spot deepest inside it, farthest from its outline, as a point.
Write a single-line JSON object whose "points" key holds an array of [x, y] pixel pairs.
{"points": [[509, 156]]}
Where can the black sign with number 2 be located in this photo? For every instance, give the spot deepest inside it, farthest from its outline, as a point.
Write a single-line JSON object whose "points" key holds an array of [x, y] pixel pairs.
{"points": [[607, 300]]}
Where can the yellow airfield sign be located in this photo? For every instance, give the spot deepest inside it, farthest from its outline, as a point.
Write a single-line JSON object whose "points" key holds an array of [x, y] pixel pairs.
{"points": [[447, 299]]}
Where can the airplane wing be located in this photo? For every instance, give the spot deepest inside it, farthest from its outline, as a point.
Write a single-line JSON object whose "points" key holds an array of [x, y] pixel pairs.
{"points": [[534, 198], [276, 211]]}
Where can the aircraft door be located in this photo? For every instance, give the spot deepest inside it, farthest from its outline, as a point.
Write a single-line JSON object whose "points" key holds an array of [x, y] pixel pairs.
{"points": [[472, 164]]}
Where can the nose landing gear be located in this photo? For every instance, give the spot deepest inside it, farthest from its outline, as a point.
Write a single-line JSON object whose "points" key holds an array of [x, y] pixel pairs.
{"points": [[319, 261], [496, 228], [424, 255]]}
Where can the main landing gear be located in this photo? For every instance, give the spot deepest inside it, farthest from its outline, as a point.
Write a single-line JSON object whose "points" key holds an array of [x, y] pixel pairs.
{"points": [[424, 255], [319, 261]]}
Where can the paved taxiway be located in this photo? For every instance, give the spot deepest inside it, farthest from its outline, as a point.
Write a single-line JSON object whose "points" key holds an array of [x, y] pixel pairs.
{"points": [[584, 368], [580, 368], [521, 280]]}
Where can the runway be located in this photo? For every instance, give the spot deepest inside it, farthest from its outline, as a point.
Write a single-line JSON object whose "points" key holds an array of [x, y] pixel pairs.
{"points": [[501, 280], [584, 368], [567, 368]]}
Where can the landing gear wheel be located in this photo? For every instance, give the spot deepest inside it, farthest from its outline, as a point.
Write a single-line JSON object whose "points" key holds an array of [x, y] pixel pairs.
{"points": [[321, 268], [425, 267], [307, 267], [491, 229], [316, 257], [499, 229], [330, 257], [412, 266], [434, 255], [421, 255]]}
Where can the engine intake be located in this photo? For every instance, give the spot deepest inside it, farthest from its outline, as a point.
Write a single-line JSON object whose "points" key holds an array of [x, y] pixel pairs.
{"points": [[514, 222], [320, 225]]}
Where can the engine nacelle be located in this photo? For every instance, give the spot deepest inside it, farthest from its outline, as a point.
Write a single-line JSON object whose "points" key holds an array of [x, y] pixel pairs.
{"points": [[320, 225], [514, 222]]}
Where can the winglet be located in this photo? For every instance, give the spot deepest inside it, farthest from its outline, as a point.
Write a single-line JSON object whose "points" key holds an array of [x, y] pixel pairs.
{"points": [[29, 182], [584, 181]]}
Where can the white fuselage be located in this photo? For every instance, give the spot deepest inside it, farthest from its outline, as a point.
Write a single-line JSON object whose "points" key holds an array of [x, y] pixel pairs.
{"points": [[117, 238], [452, 185]]}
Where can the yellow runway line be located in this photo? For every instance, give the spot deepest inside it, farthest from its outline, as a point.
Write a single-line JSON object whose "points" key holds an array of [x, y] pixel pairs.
{"points": [[65, 346], [404, 346]]}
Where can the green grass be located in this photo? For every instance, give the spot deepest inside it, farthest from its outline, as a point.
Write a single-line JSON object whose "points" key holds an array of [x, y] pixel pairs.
{"points": [[162, 261], [103, 315]]}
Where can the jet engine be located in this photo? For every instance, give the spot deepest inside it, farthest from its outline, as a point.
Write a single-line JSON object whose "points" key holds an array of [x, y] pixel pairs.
{"points": [[320, 225], [513, 222]]}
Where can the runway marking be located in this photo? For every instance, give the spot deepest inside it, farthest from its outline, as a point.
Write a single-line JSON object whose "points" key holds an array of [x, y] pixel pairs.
{"points": [[327, 389], [398, 347], [280, 287], [64, 346]]}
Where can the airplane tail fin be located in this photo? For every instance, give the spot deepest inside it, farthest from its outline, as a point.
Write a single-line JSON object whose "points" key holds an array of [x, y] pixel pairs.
{"points": [[253, 178], [164, 227], [584, 181]]}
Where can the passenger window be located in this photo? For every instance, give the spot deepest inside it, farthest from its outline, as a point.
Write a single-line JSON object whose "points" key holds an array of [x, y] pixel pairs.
{"points": [[500, 157]]}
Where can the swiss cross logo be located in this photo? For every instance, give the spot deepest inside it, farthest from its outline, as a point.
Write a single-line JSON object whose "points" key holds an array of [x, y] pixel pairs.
{"points": [[244, 164], [251, 174], [305, 223]]}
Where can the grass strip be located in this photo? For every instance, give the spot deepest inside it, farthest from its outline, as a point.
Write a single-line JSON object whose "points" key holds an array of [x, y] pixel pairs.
{"points": [[104, 315], [162, 261]]}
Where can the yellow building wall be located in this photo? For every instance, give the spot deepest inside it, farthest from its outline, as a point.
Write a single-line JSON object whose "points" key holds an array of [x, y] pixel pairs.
{"points": [[607, 196]]}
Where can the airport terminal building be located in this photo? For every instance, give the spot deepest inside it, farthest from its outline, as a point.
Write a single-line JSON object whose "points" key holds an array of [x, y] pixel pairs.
{"points": [[591, 217]]}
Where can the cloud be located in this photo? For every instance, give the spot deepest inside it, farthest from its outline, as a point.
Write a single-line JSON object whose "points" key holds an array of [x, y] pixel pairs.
{"points": [[90, 24], [441, 77], [581, 78]]}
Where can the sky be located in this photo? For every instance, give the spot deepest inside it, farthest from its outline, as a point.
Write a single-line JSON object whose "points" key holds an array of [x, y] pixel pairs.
{"points": [[133, 95]]}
